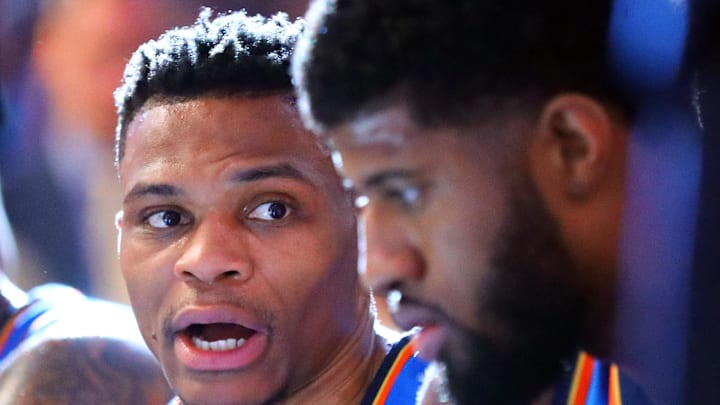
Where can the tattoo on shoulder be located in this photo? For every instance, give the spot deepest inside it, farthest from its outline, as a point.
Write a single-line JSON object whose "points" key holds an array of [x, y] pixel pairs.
{"points": [[84, 371]]}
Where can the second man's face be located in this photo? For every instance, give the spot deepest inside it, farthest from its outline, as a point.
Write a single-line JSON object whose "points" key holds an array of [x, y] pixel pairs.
{"points": [[238, 247], [459, 239]]}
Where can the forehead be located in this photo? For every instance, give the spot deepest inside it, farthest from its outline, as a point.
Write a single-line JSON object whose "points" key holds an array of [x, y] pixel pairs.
{"points": [[388, 141], [388, 136], [215, 130], [389, 127], [393, 129]]}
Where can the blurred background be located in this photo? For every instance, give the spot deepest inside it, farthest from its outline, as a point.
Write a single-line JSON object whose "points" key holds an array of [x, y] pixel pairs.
{"points": [[60, 60]]}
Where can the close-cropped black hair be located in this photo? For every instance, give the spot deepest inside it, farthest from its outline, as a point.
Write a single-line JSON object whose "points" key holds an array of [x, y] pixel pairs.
{"points": [[442, 58], [233, 54]]}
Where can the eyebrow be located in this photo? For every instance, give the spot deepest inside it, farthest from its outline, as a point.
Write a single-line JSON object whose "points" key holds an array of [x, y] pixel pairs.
{"points": [[145, 189], [264, 172], [241, 176]]}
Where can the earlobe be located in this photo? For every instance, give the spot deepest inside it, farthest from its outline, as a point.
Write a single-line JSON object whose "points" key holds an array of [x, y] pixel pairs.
{"points": [[575, 136], [119, 220], [118, 226]]}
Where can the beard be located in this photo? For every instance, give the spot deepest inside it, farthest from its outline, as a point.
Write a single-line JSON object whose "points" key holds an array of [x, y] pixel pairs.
{"points": [[534, 292]]}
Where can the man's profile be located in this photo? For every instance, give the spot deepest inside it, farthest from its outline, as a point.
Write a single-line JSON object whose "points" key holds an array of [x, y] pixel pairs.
{"points": [[486, 144]]}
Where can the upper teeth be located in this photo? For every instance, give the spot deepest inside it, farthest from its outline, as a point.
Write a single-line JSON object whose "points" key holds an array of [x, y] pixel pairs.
{"points": [[217, 345]]}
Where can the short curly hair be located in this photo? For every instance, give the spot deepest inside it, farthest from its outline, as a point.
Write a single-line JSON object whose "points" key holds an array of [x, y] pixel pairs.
{"points": [[232, 55], [443, 58]]}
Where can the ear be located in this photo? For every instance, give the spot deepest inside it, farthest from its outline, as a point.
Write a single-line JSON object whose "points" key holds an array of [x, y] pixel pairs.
{"points": [[572, 149], [118, 227], [119, 220]]}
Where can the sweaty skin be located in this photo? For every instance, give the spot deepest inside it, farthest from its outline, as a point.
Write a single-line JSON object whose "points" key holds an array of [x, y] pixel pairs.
{"points": [[236, 233]]}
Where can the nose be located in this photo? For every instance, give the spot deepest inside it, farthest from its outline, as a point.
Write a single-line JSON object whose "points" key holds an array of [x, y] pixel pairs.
{"points": [[215, 251], [388, 253]]}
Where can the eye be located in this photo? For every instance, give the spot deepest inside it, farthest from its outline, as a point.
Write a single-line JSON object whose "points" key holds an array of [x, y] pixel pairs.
{"points": [[270, 211], [165, 219], [407, 196]]}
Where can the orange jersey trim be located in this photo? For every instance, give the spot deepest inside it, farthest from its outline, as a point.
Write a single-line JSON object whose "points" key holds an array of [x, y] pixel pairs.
{"points": [[614, 397], [405, 354], [581, 380]]}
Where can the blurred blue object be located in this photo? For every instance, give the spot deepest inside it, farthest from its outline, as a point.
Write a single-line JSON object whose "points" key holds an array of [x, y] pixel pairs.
{"points": [[648, 40]]}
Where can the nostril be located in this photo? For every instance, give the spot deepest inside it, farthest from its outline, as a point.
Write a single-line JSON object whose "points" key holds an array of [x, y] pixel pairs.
{"points": [[230, 274], [209, 273], [187, 274], [387, 287], [394, 285]]}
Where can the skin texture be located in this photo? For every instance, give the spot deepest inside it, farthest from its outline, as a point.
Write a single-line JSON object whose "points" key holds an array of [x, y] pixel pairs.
{"points": [[292, 276], [472, 232]]}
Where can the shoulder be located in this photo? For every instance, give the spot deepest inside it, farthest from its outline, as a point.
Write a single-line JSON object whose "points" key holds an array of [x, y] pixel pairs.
{"points": [[82, 350], [91, 370], [400, 375], [67, 313], [592, 380]]}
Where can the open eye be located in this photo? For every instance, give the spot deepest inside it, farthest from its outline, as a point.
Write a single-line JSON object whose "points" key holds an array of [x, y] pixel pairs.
{"points": [[405, 196], [270, 211], [165, 219]]}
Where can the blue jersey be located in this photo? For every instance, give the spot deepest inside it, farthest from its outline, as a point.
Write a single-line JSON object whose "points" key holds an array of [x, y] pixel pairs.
{"points": [[399, 378], [595, 382], [36, 316]]}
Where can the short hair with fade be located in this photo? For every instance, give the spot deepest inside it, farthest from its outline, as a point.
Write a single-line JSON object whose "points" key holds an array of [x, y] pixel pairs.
{"points": [[231, 55], [448, 60]]}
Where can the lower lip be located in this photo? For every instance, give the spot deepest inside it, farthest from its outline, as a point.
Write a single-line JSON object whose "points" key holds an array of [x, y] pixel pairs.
{"points": [[208, 360], [429, 341]]}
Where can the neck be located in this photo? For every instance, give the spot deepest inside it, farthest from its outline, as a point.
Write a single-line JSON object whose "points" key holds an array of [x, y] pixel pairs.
{"points": [[598, 333], [598, 326], [350, 373]]}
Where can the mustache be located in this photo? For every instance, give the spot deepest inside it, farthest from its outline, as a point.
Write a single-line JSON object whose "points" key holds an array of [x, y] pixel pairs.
{"points": [[241, 302]]}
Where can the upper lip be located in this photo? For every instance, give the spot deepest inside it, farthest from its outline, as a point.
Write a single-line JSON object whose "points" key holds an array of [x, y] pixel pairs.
{"points": [[207, 314]]}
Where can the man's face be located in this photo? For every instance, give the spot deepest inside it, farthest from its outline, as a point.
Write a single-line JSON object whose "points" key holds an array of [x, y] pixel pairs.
{"points": [[237, 246], [459, 239]]}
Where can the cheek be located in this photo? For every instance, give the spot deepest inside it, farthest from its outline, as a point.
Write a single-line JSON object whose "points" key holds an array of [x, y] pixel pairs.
{"points": [[319, 275], [460, 238], [146, 277], [319, 308], [302, 273], [459, 251], [337, 289]]}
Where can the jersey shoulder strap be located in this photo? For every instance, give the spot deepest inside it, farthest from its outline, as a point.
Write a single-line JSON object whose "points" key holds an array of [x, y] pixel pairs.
{"points": [[596, 382], [399, 377]]}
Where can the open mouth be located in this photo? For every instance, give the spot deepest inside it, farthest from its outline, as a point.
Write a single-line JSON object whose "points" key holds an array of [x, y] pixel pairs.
{"points": [[218, 337]]}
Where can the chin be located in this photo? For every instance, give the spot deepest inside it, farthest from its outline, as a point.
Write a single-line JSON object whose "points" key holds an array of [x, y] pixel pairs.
{"points": [[228, 398], [230, 391]]}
